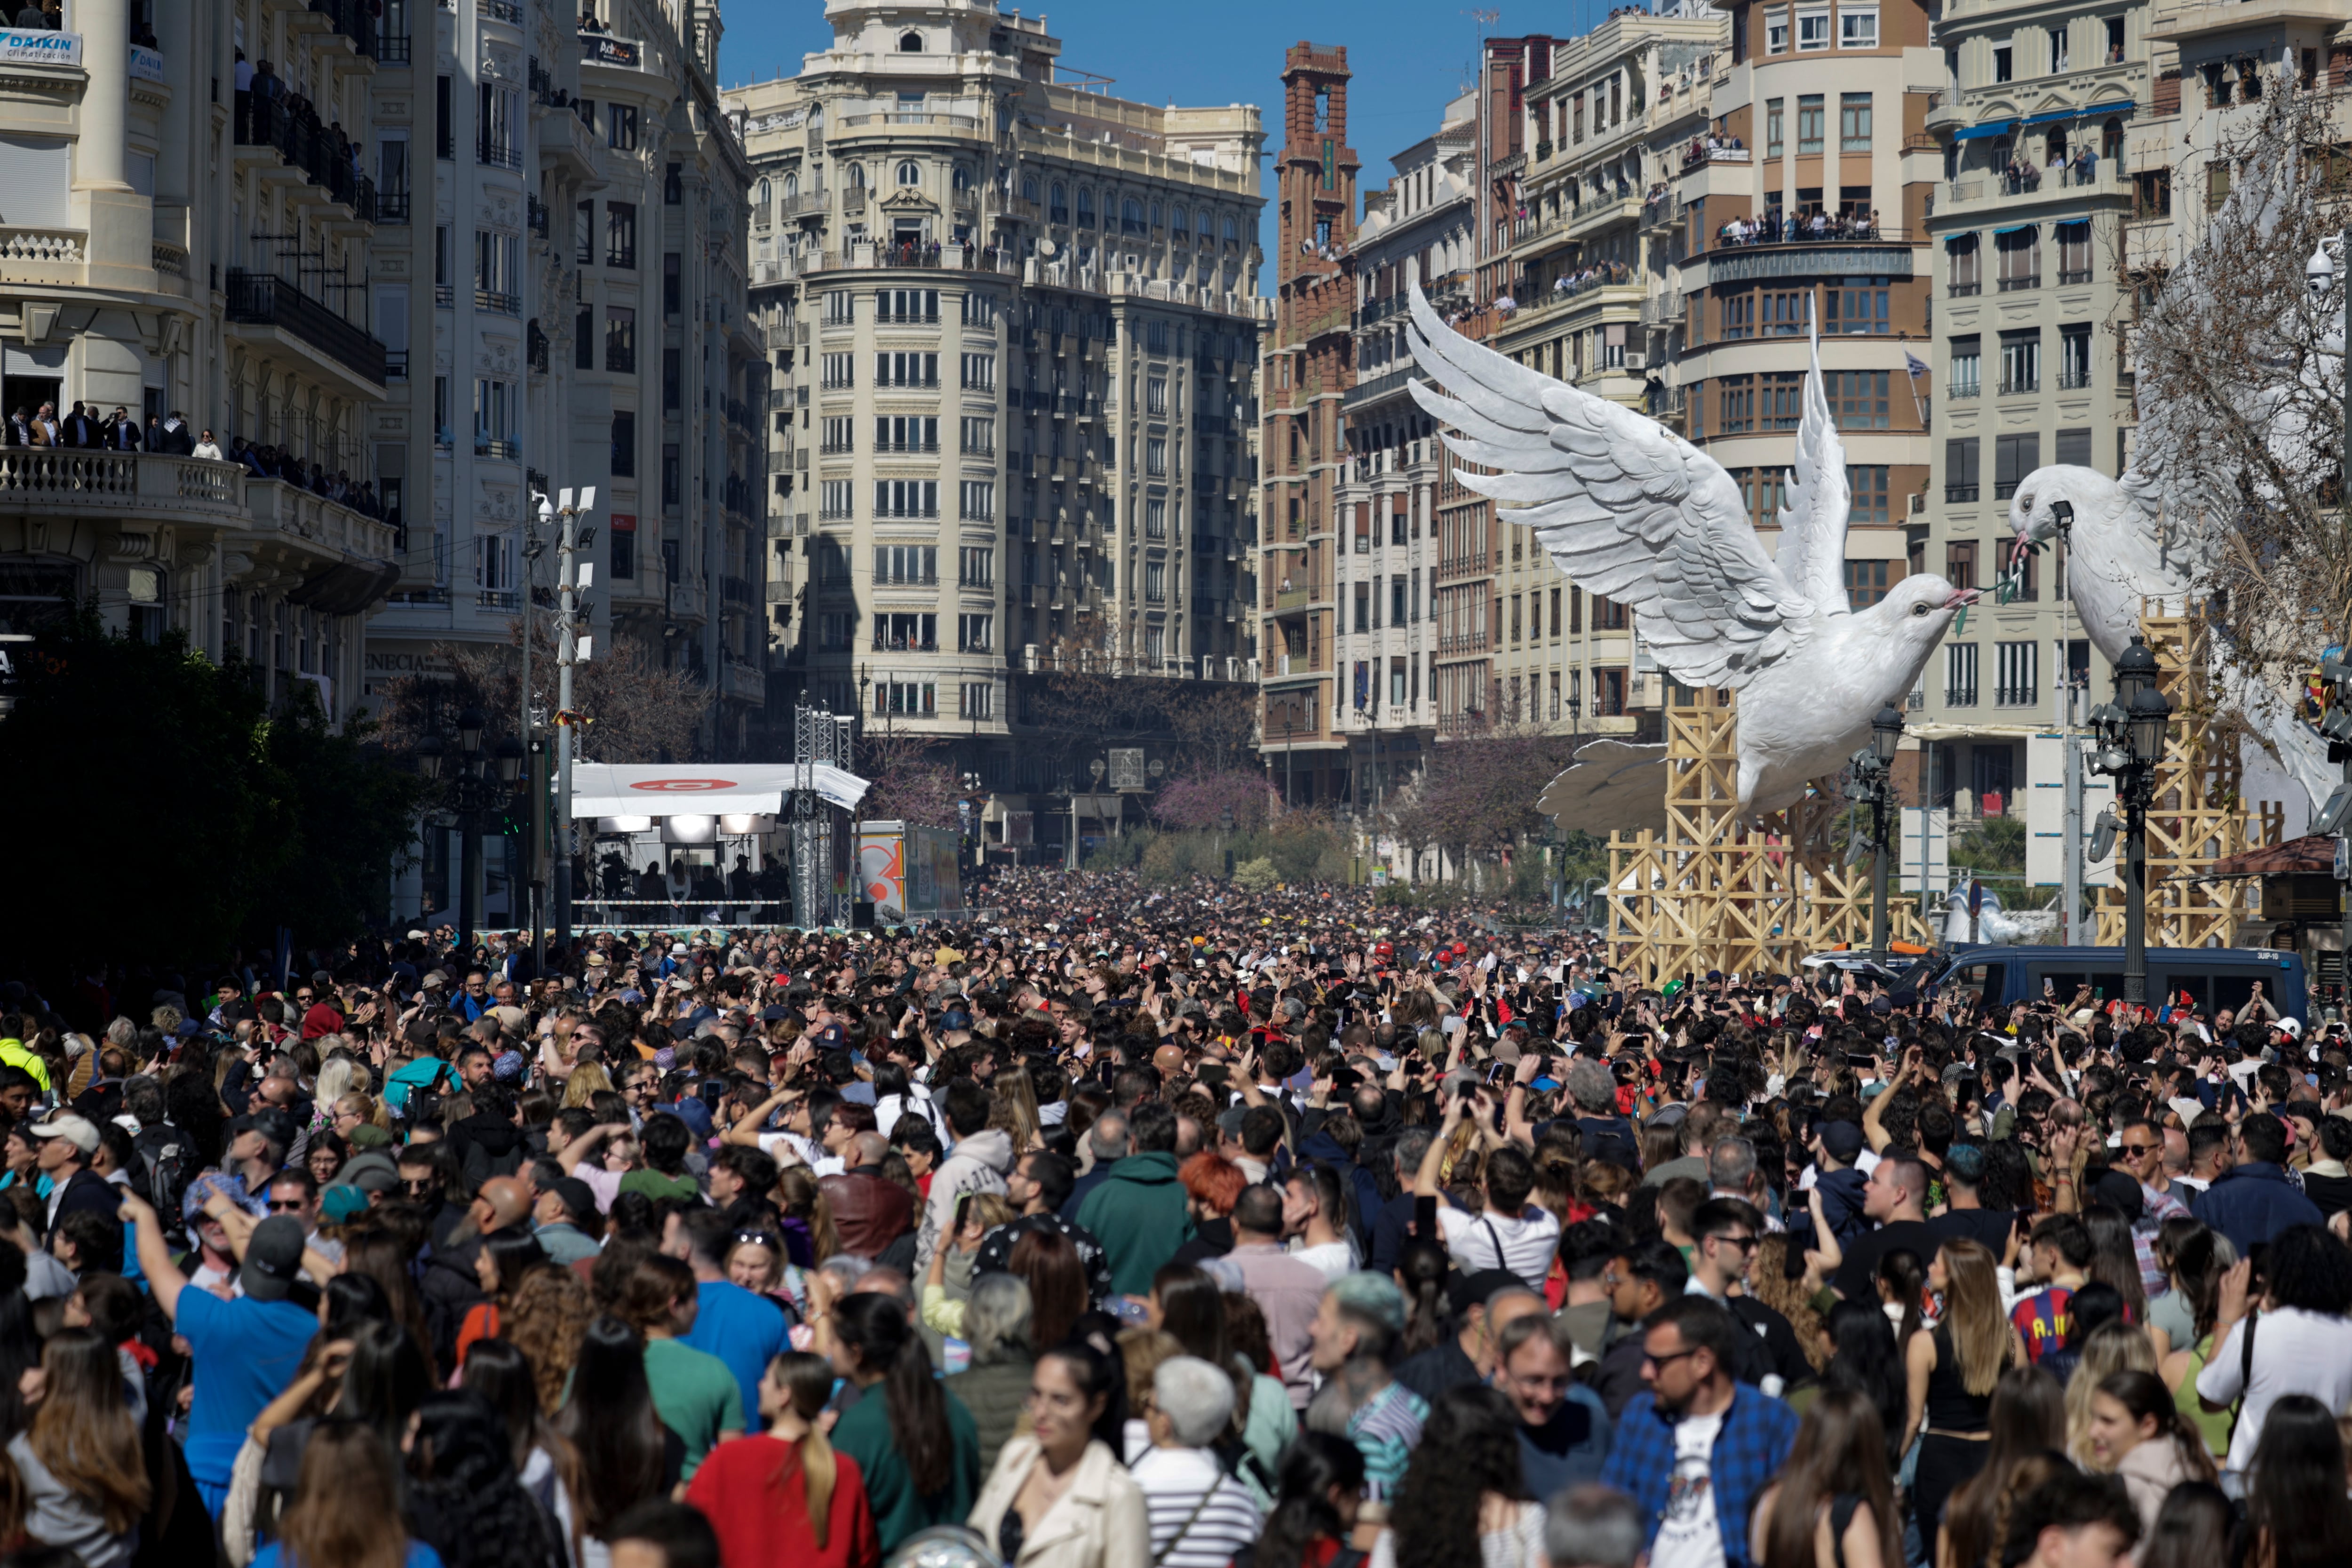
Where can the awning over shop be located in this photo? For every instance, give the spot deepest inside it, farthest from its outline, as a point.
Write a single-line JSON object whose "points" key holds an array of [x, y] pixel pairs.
{"points": [[696, 789], [1989, 128], [2091, 111]]}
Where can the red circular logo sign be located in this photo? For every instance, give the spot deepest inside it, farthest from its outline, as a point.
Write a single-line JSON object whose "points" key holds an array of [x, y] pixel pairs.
{"points": [[684, 786]]}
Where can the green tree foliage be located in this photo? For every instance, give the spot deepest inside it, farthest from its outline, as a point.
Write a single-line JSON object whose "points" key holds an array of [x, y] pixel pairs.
{"points": [[1256, 876], [162, 812]]}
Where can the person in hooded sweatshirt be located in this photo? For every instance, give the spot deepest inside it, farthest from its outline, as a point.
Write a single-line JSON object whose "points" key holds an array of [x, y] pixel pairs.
{"points": [[977, 1163], [1140, 1211]]}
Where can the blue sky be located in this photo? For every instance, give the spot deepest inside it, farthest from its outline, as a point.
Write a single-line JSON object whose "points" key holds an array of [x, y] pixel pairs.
{"points": [[1408, 60]]}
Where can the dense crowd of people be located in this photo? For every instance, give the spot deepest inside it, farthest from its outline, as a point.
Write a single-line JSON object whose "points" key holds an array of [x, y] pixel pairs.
{"points": [[1130, 1229]]}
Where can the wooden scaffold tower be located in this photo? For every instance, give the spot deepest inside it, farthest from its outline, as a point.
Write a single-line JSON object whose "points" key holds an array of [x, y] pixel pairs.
{"points": [[1713, 891], [2201, 814]]}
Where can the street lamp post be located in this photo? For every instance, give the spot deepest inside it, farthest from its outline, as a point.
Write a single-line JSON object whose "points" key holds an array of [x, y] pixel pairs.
{"points": [[1872, 784], [573, 645], [2131, 732], [2320, 273]]}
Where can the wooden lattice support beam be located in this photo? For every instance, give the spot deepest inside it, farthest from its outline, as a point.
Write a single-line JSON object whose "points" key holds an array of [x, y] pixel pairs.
{"points": [[2201, 814], [1713, 890]]}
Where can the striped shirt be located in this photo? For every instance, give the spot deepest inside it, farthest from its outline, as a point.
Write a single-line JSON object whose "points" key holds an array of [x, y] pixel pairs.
{"points": [[1386, 1428], [1188, 1531]]}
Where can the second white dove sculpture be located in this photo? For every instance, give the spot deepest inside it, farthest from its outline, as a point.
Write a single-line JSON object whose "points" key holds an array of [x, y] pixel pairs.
{"points": [[1631, 510]]}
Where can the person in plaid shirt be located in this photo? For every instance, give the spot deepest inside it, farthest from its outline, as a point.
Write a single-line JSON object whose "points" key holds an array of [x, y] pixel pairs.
{"points": [[1697, 1448]]}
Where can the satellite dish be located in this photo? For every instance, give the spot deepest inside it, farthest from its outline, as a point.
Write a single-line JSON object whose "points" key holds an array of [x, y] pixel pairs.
{"points": [[1045, 248]]}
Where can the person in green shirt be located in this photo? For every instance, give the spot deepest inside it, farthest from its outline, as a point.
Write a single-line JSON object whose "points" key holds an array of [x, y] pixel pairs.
{"points": [[695, 1394], [914, 1442], [665, 1140]]}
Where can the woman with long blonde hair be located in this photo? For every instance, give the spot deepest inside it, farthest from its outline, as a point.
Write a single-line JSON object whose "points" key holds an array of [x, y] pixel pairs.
{"points": [[586, 1078], [84, 1475], [1014, 1110], [2113, 1346], [1950, 1371], [786, 1496]]}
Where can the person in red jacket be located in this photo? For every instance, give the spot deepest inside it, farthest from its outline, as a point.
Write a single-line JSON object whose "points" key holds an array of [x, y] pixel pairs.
{"points": [[785, 1496]]}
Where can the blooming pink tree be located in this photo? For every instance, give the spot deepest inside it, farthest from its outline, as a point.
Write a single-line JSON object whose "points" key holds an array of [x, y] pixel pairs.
{"points": [[1199, 800]]}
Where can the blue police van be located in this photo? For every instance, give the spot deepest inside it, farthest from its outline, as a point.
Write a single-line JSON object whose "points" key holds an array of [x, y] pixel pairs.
{"points": [[2212, 977]]}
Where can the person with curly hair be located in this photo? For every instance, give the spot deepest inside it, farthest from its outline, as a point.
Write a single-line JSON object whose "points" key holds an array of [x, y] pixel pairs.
{"points": [[465, 1500], [1462, 1502]]}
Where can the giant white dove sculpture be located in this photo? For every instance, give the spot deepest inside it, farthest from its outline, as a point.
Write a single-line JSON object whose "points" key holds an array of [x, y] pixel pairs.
{"points": [[2117, 558], [1631, 510]]}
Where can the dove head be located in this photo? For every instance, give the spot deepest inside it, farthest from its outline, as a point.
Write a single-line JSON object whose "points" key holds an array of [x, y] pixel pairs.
{"points": [[1916, 610], [2033, 510]]}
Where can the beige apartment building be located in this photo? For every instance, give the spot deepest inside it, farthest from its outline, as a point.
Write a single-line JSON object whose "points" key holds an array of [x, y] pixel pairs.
{"points": [[1591, 239], [2029, 224], [1012, 323], [1416, 228], [169, 246]]}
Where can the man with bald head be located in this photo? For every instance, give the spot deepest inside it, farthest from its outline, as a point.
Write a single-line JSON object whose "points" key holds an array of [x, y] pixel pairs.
{"points": [[869, 1210]]}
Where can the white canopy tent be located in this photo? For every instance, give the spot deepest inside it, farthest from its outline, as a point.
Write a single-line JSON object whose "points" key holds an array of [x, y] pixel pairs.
{"points": [[700, 789]]}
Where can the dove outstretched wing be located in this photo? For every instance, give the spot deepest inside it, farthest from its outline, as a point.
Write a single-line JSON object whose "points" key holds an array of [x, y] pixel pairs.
{"points": [[1626, 508]]}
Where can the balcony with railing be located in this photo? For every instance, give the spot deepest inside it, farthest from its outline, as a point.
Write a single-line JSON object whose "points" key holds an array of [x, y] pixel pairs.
{"points": [[302, 143], [496, 153], [120, 486], [259, 298], [498, 300], [355, 20]]}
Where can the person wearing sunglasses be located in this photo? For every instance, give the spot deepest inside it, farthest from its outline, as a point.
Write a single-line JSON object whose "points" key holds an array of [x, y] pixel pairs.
{"points": [[1697, 1447], [1726, 1232]]}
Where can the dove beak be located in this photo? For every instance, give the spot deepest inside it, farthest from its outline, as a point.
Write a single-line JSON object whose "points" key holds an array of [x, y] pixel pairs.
{"points": [[1960, 596]]}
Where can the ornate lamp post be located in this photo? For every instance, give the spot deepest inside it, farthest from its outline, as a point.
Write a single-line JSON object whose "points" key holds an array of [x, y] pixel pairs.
{"points": [[2130, 731], [468, 793]]}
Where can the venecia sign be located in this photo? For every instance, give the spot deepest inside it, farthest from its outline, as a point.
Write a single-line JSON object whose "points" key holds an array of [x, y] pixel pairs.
{"points": [[683, 787], [38, 47]]}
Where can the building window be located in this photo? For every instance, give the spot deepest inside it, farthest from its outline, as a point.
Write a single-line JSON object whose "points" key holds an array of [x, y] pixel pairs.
{"points": [[979, 435], [2014, 456], [1155, 518], [673, 477], [1736, 404], [1961, 470], [910, 173], [1609, 693], [1867, 482], [1858, 305], [907, 498], [1155, 581], [906, 697], [975, 634], [673, 387], [2021, 362], [2019, 256], [2016, 673], [2074, 357], [1857, 29], [1865, 583], [1853, 107], [835, 501], [1962, 260], [1964, 380], [975, 566], [905, 433], [978, 500], [497, 409], [620, 234], [979, 699], [672, 281], [1776, 42], [2075, 252], [906, 565], [620, 339], [1858, 399], [979, 372], [1960, 563], [906, 370], [621, 126], [624, 444], [1812, 30], [1155, 456], [1810, 116], [1959, 675], [839, 371], [625, 548]]}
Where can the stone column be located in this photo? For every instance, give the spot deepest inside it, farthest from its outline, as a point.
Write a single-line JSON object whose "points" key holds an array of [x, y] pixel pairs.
{"points": [[106, 97]]}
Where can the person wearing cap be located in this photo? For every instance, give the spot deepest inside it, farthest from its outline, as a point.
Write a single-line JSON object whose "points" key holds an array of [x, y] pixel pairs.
{"points": [[563, 1216], [244, 1350], [67, 1143]]}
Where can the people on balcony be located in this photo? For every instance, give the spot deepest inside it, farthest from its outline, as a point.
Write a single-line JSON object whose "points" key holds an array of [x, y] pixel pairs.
{"points": [[171, 434], [119, 433], [207, 449], [1815, 224]]}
